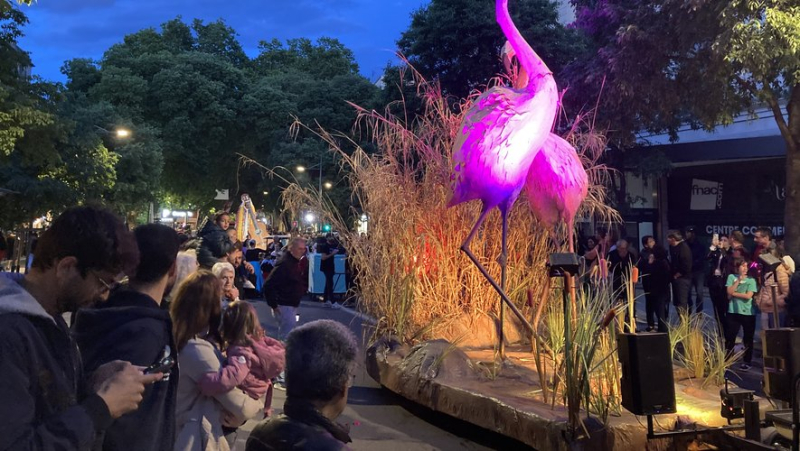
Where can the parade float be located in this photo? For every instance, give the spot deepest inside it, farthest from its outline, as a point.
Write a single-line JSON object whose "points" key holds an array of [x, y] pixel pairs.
{"points": [[566, 369]]}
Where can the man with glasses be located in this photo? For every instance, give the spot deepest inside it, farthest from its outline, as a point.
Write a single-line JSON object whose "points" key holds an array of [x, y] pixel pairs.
{"points": [[46, 401], [132, 326]]}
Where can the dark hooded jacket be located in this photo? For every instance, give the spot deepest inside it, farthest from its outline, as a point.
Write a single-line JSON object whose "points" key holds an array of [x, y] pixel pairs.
{"points": [[215, 244], [42, 386], [301, 427], [131, 326]]}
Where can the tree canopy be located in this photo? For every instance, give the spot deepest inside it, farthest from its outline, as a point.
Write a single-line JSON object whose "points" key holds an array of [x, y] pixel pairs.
{"points": [[458, 42], [193, 100], [660, 65]]}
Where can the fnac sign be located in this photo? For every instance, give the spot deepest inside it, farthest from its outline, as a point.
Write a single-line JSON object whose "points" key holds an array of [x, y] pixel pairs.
{"points": [[706, 195]]}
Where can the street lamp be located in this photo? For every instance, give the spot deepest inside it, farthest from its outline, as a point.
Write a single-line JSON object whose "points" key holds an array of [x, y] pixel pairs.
{"points": [[302, 169], [118, 132], [328, 185]]}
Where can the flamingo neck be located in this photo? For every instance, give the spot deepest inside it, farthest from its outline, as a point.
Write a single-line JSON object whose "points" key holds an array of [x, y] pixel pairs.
{"points": [[528, 59]]}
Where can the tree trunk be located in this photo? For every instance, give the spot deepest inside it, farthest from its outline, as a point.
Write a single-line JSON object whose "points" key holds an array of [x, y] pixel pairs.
{"points": [[791, 216]]}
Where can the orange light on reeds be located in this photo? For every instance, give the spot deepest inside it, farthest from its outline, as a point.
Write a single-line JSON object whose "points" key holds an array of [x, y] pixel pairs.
{"points": [[631, 287]]}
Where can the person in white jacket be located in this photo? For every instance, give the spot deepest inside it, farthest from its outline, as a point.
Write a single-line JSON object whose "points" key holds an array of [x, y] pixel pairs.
{"points": [[200, 419]]}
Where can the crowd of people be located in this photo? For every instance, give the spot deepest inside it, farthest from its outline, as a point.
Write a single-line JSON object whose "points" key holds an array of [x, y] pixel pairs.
{"points": [[119, 340], [744, 286]]}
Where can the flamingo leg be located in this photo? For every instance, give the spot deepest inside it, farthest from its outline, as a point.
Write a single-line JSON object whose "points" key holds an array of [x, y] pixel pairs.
{"points": [[465, 248], [503, 263]]}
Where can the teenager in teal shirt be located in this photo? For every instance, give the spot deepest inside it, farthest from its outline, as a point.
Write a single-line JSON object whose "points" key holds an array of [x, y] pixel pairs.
{"points": [[741, 312]]}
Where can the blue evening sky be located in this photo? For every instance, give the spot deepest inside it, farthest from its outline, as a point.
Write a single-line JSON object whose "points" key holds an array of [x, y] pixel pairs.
{"points": [[60, 30]]}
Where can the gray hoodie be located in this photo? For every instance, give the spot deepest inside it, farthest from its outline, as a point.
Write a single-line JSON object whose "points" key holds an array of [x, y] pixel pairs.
{"points": [[42, 381]]}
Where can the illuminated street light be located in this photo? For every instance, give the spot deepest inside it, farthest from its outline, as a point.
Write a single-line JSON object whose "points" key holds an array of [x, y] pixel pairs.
{"points": [[301, 169], [265, 193], [309, 218], [328, 185], [123, 133]]}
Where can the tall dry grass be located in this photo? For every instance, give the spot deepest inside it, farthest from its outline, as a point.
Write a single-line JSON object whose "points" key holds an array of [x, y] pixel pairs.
{"points": [[410, 272]]}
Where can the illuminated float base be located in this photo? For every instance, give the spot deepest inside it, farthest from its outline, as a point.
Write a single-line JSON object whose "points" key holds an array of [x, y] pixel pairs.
{"points": [[450, 380]]}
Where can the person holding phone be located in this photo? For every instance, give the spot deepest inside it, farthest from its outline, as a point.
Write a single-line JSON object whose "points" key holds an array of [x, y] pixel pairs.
{"points": [[741, 312], [718, 256], [132, 326], [48, 401]]}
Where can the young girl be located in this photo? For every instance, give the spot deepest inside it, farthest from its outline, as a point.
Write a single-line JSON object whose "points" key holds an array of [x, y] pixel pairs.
{"points": [[253, 358], [741, 313]]}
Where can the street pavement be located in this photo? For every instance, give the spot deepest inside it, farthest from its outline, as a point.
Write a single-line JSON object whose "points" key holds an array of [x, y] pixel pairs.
{"points": [[379, 419]]}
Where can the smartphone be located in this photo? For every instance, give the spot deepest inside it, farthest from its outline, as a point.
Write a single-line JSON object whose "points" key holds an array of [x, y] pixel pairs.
{"points": [[162, 366]]}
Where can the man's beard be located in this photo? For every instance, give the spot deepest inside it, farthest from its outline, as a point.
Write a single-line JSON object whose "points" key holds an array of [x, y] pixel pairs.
{"points": [[69, 302]]}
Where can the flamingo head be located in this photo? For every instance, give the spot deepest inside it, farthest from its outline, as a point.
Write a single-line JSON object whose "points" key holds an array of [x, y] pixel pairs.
{"points": [[519, 77]]}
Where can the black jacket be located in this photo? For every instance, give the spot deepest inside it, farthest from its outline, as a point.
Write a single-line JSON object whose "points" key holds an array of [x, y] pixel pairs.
{"points": [[288, 281], [680, 260], [42, 386], [718, 257], [215, 244], [301, 427], [131, 326], [698, 255]]}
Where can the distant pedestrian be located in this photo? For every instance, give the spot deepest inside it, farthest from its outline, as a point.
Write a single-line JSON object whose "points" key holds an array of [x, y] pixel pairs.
{"points": [[779, 279], [699, 255], [718, 258], [680, 257], [286, 285], [741, 311], [320, 364], [657, 300], [328, 250]]}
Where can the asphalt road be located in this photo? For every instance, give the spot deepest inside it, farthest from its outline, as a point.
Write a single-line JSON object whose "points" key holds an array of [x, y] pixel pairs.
{"points": [[379, 419]]}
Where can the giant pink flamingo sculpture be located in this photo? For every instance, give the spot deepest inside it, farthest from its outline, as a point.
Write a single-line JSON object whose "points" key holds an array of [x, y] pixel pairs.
{"points": [[557, 183], [499, 138]]}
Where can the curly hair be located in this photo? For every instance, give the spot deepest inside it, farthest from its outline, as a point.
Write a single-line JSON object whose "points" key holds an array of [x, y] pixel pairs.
{"points": [[96, 237]]}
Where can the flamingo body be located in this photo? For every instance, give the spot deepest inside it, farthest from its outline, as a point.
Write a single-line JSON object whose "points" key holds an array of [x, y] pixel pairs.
{"points": [[556, 184], [498, 140]]}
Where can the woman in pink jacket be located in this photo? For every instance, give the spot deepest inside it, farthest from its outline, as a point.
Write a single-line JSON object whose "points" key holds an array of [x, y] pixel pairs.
{"points": [[253, 358]]}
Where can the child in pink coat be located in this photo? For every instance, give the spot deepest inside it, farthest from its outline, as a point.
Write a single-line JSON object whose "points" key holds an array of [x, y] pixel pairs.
{"points": [[253, 359]]}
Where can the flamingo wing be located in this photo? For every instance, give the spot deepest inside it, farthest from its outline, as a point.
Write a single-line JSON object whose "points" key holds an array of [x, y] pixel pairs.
{"points": [[492, 151], [557, 183]]}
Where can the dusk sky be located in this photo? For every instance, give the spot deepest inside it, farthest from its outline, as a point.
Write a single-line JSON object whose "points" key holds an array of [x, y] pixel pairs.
{"points": [[60, 30]]}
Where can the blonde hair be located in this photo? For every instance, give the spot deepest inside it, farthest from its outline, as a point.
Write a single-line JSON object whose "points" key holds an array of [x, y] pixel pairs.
{"points": [[185, 265]]}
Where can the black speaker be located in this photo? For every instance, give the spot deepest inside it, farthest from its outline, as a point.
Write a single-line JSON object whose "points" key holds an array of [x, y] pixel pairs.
{"points": [[781, 361], [648, 386]]}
